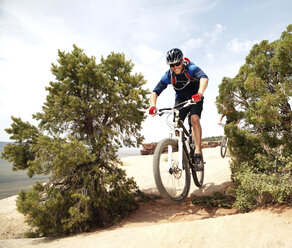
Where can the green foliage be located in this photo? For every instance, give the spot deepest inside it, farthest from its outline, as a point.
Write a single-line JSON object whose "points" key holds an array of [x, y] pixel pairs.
{"points": [[261, 150], [261, 189], [90, 111], [20, 154], [217, 200]]}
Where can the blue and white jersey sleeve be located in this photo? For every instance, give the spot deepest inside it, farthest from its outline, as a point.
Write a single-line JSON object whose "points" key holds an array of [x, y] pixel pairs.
{"points": [[196, 72], [164, 81]]}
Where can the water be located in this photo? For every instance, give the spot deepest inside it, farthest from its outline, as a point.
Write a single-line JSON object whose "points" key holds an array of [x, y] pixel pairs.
{"points": [[11, 182], [127, 152]]}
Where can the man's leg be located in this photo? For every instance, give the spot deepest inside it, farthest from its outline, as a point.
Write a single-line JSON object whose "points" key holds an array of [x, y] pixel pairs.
{"points": [[197, 133]]}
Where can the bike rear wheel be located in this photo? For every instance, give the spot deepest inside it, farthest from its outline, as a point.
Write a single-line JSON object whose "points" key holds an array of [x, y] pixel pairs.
{"points": [[223, 148], [198, 176], [172, 183]]}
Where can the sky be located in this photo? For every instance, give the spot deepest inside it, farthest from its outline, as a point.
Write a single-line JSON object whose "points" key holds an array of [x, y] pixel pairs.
{"points": [[215, 35]]}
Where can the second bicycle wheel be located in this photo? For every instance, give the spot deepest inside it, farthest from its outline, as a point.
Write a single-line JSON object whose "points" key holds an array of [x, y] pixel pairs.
{"points": [[172, 182], [223, 148]]}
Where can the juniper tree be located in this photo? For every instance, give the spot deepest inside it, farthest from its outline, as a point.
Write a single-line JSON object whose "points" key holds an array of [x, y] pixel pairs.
{"points": [[91, 110], [261, 151]]}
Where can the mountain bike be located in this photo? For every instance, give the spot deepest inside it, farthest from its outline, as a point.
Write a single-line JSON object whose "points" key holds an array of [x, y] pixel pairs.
{"points": [[224, 142], [174, 161]]}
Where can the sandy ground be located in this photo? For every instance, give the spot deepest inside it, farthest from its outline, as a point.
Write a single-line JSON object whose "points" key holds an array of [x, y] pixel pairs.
{"points": [[159, 224]]}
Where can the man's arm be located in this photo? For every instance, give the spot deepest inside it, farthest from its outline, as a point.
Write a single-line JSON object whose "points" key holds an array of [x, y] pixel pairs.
{"points": [[161, 86], [153, 99], [220, 120], [197, 72], [203, 85]]}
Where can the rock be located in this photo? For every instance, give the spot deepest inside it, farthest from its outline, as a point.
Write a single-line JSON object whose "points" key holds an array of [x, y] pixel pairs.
{"points": [[148, 149]]}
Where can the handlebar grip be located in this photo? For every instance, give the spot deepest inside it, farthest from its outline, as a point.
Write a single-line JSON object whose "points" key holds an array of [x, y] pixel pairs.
{"points": [[163, 109]]}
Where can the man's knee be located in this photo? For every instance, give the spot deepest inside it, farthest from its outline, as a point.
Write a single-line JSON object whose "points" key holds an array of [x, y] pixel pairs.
{"points": [[195, 120]]}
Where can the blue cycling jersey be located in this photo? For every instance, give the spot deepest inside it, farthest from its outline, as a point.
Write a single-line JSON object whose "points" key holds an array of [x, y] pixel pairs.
{"points": [[184, 87]]}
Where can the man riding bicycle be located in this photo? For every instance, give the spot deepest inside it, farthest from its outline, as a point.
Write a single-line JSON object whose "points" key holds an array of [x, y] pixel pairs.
{"points": [[189, 82], [231, 116]]}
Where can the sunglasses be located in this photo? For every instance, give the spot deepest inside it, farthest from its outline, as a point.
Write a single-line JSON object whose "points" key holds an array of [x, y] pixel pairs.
{"points": [[176, 64]]}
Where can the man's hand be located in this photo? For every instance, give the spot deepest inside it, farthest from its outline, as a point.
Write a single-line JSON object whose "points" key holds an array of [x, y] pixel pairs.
{"points": [[152, 110], [197, 97]]}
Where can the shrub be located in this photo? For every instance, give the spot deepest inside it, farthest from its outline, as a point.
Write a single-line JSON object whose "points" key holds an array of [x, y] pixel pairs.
{"points": [[261, 147]]}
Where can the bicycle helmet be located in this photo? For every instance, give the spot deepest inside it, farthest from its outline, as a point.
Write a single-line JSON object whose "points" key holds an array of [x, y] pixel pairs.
{"points": [[174, 55]]}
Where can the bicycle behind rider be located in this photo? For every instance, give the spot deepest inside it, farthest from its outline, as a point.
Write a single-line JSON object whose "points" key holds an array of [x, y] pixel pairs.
{"points": [[189, 82]]}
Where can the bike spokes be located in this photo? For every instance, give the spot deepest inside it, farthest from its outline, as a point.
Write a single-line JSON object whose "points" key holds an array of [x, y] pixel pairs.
{"points": [[172, 182]]}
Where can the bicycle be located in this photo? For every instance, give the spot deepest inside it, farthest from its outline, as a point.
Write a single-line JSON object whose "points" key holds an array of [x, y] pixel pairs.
{"points": [[173, 159], [223, 148]]}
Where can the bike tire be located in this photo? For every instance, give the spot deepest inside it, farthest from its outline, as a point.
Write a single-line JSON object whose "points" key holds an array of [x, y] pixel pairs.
{"points": [[198, 176], [173, 187], [223, 148]]}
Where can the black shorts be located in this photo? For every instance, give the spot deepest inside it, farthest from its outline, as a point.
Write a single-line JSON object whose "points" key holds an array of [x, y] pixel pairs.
{"points": [[195, 109], [228, 121]]}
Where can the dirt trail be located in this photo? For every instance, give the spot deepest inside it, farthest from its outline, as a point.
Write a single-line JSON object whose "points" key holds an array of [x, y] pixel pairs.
{"points": [[160, 224]]}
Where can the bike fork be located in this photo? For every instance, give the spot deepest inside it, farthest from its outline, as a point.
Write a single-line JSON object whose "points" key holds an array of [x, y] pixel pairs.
{"points": [[169, 157], [180, 150]]}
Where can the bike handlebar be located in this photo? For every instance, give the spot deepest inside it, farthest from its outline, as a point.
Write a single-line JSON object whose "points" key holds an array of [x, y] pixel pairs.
{"points": [[179, 106]]}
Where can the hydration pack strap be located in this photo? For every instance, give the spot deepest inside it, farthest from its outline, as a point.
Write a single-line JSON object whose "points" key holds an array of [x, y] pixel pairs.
{"points": [[186, 62]]}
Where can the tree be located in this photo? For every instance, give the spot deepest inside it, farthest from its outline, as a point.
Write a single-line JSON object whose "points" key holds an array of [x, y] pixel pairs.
{"points": [[91, 110], [261, 151]]}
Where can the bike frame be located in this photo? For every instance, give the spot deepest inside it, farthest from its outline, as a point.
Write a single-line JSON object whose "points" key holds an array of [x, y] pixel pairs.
{"points": [[179, 133]]}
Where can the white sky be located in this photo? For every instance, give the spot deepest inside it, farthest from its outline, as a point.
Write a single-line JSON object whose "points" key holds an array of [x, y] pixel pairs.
{"points": [[215, 35]]}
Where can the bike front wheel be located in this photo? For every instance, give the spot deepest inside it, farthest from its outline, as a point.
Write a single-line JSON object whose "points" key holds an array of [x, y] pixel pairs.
{"points": [[223, 149], [172, 182]]}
